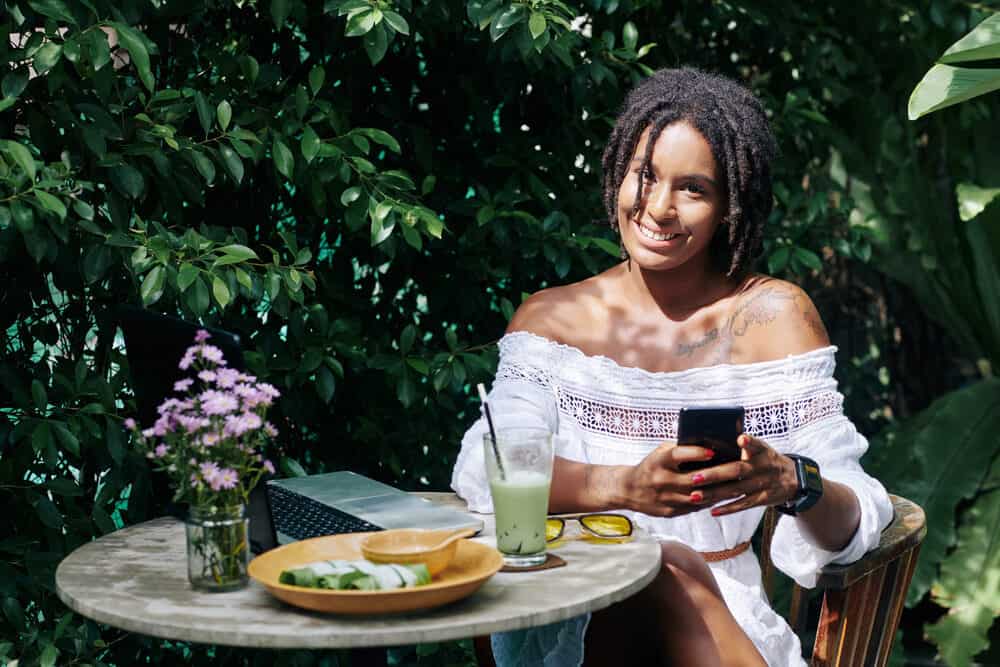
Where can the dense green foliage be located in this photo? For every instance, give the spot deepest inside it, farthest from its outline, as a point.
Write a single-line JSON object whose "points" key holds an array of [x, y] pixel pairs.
{"points": [[365, 190]]}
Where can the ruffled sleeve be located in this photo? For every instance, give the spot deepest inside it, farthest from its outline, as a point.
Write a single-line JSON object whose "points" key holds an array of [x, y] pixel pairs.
{"points": [[523, 395], [837, 447]]}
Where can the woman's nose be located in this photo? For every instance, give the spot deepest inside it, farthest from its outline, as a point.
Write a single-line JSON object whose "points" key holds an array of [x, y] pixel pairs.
{"points": [[660, 203]]}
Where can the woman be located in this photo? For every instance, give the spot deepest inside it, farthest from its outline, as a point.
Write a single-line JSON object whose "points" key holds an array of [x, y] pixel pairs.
{"points": [[683, 321]]}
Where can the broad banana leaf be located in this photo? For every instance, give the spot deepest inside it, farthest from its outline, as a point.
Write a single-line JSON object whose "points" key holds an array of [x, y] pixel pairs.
{"points": [[972, 199], [948, 82], [969, 585], [938, 459], [983, 234]]}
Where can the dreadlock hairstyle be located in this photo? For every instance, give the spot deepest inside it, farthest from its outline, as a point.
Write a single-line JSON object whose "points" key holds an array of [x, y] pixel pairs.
{"points": [[733, 122]]}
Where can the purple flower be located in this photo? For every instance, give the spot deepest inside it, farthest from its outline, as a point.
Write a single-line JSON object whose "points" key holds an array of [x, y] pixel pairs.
{"points": [[161, 450], [192, 424], [195, 482], [268, 466], [210, 439], [225, 479], [201, 336], [207, 376], [183, 385], [148, 432], [217, 402], [237, 425], [209, 471], [213, 354], [227, 377], [130, 424], [187, 359], [270, 430]]}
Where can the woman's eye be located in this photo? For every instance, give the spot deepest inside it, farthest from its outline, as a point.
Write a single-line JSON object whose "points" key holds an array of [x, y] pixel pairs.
{"points": [[647, 174], [695, 188]]}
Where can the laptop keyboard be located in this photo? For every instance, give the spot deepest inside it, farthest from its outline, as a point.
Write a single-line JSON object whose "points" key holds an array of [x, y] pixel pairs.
{"points": [[300, 517]]}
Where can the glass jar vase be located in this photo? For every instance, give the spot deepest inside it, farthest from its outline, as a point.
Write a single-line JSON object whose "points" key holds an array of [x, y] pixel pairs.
{"points": [[218, 547]]}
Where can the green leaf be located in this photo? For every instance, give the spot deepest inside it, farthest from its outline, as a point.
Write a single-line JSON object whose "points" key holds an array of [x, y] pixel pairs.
{"points": [[808, 258], [224, 113], [66, 438], [310, 143], [51, 203], [630, 35], [406, 339], [204, 110], [64, 487], [291, 467], [131, 39], [232, 163], [21, 156], [419, 365], [381, 137], [316, 77], [54, 9], [973, 200], [412, 237], [607, 246], [907, 458], [186, 275], [14, 83], [128, 180], [537, 24], [505, 21], [49, 655], [39, 395], [945, 85], [983, 43], [406, 390], [220, 291], [360, 23], [325, 384], [240, 252], [204, 165], [279, 12], [47, 57], [198, 297], [48, 513], [283, 158], [778, 260], [397, 22], [152, 285], [98, 49], [376, 43]]}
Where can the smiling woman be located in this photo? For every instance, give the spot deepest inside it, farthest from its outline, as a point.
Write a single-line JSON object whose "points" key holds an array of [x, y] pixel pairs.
{"points": [[683, 322]]}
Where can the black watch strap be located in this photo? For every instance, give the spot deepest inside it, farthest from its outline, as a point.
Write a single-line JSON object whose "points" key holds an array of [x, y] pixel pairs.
{"points": [[810, 486]]}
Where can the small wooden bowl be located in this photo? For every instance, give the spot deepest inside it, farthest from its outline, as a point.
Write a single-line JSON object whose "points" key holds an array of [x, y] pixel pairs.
{"points": [[405, 546]]}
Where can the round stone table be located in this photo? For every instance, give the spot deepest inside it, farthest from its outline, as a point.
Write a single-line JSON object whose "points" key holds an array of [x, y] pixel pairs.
{"points": [[136, 579]]}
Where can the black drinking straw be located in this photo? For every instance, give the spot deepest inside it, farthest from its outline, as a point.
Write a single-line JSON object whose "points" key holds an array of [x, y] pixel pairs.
{"points": [[493, 433]]}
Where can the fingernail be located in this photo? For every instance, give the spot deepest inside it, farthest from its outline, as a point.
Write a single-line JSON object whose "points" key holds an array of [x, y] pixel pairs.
{"points": [[697, 478], [710, 454], [715, 512], [696, 496], [744, 440]]}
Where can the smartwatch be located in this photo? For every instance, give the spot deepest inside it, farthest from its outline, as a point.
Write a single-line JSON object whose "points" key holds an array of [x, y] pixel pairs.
{"points": [[810, 486]]}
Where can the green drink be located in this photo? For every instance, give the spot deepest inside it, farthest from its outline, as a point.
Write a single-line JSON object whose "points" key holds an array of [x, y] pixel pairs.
{"points": [[519, 484], [521, 505]]}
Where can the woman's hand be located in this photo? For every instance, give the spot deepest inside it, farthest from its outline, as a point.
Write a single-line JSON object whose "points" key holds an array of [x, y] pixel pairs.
{"points": [[656, 486], [762, 476]]}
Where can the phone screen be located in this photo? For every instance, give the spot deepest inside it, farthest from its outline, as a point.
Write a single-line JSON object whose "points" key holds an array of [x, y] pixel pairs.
{"points": [[714, 428]]}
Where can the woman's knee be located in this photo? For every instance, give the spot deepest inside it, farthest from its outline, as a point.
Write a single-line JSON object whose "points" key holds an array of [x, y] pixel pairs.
{"points": [[686, 565]]}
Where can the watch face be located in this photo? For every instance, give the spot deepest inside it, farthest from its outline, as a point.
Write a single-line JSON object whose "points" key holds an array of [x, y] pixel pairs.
{"points": [[813, 481]]}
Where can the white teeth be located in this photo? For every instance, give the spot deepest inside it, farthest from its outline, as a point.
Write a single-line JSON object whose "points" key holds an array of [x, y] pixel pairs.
{"points": [[655, 236]]}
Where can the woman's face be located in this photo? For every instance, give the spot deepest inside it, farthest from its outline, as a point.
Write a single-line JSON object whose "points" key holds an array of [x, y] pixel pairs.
{"points": [[682, 200]]}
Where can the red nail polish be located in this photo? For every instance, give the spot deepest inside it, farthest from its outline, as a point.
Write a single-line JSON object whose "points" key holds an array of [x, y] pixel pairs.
{"points": [[697, 478], [710, 454], [715, 512], [696, 496]]}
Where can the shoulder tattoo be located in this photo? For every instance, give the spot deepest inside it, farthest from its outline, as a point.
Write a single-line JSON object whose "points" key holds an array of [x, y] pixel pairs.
{"points": [[758, 309]]}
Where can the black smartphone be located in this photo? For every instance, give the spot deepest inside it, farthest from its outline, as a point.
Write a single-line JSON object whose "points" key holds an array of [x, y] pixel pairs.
{"points": [[714, 428]]}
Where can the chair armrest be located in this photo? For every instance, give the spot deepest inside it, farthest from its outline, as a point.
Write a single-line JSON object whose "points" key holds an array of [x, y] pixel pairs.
{"points": [[907, 529]]}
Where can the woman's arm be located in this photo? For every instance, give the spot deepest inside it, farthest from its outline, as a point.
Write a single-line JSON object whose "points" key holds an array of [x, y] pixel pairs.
{"points": [[586, 487]]}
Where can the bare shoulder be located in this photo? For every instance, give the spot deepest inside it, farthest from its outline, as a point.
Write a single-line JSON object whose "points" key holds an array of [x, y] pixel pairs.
{"points": [[772, 319], [555, 313]]}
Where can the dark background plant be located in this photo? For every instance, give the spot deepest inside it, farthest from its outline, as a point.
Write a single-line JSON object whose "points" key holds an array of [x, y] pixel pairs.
{"points": [[400, 175]]}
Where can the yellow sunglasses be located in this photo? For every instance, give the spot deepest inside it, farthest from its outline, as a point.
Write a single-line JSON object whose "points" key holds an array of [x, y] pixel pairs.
{"points": [[603, 526]]}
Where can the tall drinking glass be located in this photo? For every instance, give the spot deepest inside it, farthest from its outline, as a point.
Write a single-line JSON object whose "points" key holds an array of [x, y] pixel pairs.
{"points": [[519, 484]]}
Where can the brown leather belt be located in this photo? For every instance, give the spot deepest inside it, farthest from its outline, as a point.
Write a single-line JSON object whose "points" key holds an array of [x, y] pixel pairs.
{"points": [[725, 554]]}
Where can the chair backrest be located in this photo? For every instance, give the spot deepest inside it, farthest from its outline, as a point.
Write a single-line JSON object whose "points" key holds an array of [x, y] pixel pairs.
{"points": [[862, 601]]}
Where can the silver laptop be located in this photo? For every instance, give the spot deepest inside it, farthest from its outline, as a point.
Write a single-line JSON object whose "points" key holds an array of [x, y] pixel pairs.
{"points": [[346, 502]]}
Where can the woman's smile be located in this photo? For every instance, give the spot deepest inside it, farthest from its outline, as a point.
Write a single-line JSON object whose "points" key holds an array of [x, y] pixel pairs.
{"points": [[656, 238]]}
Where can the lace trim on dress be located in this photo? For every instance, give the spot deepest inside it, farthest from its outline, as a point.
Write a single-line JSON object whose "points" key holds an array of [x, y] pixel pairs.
{"points": [[766, 421]]}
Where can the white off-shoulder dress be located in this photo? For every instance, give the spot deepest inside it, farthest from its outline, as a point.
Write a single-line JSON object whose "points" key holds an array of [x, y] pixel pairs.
{"points": [[605, 413]]}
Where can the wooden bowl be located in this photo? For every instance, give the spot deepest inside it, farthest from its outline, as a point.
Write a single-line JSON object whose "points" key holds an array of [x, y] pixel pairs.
{"points": [[406, 546]]}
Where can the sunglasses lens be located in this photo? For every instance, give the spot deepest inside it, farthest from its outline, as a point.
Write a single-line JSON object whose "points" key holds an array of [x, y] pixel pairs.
{"points": [[553, 529], [608, 525]]}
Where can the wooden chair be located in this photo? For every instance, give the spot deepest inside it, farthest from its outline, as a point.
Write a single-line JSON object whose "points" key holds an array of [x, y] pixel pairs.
{"points": [[862, 602]]}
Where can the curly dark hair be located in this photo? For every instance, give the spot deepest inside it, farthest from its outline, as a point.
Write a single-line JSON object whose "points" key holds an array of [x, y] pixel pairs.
{"points": [[733, 122]]}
